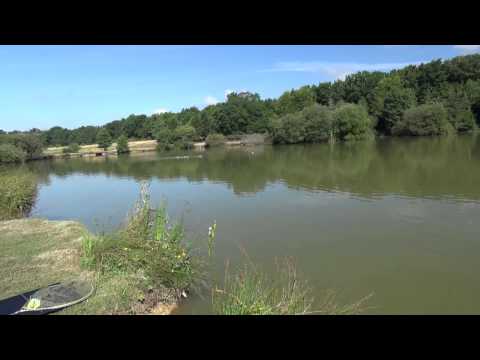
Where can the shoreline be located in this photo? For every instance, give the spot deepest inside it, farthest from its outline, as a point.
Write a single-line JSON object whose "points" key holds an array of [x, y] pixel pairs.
{"points": [[37, 252], [136, 147]]}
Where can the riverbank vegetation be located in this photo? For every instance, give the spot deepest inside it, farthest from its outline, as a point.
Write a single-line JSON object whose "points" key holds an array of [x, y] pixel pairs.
{"points": [[18, 189], [146, 266], [16, 148], [251, 291], [363, 104], [151, 252]]}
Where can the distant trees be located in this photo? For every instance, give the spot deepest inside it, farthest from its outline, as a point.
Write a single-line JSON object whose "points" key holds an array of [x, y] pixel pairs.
{"points": [[289, 129], [391, 99], [352, 122], [29, 143], [318, 123], [122, 145], [424, 120], [19, 147], [104, 140], [296, 100], [311, 113]]}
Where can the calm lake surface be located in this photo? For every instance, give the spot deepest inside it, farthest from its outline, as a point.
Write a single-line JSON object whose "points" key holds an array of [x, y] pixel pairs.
{"points": [[398, 218]]}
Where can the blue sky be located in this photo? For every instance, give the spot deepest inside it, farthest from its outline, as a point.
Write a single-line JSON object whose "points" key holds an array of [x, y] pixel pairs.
{"points": [[71, 86]]}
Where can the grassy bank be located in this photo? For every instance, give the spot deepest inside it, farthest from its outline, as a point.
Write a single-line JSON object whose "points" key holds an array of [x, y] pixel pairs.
{"points": [[144, 267], [18, 189]]}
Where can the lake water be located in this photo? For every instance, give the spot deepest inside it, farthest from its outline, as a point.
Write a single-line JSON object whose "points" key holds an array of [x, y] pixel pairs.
{"points": [[398, 218]]}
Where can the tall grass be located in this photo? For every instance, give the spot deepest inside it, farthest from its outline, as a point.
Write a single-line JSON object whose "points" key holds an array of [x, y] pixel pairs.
{"points": [[18, 189], [148, 246], [250, 291]]}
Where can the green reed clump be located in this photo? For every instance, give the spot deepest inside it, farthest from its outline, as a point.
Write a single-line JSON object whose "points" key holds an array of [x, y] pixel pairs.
{"points": [[251, 291], [147, 245], [18, 189]]}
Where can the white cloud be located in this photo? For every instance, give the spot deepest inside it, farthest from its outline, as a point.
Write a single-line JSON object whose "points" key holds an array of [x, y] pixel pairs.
{"points": [[467, 49], [334, 70], [160, 111], [210, 100]]}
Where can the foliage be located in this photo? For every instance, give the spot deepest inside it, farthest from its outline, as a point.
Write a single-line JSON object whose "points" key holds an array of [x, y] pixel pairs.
{"points": [[72, 148], [104, 140], [391, 99], [459, 109], [122, 145], [184, 136], [296, 100], [213, 140], [318, 122], [289, 129], [385, 95], [18, 189], [29, 143], [424, 120], [250, 291], [148, 244], [11, 154], [352, 122]]}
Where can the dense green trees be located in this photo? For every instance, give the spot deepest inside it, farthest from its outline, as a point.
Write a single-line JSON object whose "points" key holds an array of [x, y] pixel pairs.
{"points": [[391, 99], [9, 153], [296, 100], [20, 146], [319, 123], [104, 140], [352, 122], [31, 144], [312, 113], [424, 120]]}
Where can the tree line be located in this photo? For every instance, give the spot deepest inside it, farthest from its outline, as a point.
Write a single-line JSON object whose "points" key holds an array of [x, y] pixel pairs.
{"points": [[434, 98]]}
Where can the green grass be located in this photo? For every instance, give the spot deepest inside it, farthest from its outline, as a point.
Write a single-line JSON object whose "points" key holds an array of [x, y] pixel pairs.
{"points": [[36, 253], [250, 291], [144, 264], [18, 190], [148, 250]]}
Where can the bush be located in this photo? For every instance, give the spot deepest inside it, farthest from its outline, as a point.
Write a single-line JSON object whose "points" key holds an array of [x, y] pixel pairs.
{"points": [[424, 120], [289, 129], [17, 193], [462, 120], [352, 122], [122, 145], [11, 154], [165, 138], [215, 140], [183, 137], [71, 149], [185, 133], [318, 123], [30, 144]]}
